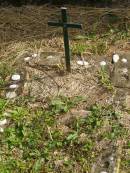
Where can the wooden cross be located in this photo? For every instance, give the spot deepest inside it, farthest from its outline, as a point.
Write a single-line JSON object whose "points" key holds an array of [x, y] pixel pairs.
{"points": [[65, 27]]}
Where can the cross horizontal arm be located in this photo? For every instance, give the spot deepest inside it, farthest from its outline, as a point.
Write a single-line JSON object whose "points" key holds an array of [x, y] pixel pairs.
{"points": [[72, 25], [55, 24]]}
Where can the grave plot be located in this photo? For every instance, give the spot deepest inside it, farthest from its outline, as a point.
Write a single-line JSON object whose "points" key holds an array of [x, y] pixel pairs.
{"points": [[46, 76]]}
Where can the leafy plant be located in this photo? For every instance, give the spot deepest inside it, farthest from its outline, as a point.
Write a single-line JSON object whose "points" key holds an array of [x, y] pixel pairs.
{"points": [[105, 79], [63, 104]]}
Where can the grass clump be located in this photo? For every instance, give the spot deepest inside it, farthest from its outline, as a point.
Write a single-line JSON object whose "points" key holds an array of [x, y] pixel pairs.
{"points": [[104, 79]]}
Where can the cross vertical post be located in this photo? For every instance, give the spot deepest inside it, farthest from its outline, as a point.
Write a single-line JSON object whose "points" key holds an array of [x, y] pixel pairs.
{"points": [[65, 27], [66, 39]]}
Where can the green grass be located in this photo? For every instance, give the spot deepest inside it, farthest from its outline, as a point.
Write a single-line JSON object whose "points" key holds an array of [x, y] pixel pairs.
{"points": [[32, 141], [104, 79]]}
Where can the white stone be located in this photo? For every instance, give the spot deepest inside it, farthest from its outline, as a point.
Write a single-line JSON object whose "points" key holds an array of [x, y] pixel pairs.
{"points": [[13, 86], [80, 62], [103, 172], [103, 63], [124, 60], [27, 59], [111, 158], [11, 95], [3, 122], [16, 77], [1, 130], [115, 58], [124, 70], [34, 55], [50, 57]]}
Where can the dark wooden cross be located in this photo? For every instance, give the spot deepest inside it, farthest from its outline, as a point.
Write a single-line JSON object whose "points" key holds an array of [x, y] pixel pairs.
{"points": [[65, 27]]}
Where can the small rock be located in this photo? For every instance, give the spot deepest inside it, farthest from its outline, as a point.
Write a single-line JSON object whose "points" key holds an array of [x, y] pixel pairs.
{"points": [[1, 130], [50, 57], [27, 59], [111, 158], [124, 70], [103, 63], [115, 58], [16, 77], [13, 86], [34, 55], [103, 172], [11, 95], [85, 63], [3, 122], [124, 60]]}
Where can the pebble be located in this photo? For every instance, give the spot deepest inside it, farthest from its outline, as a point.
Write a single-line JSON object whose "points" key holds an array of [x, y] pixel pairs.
{"points": [[103, 172], [16, 77], [50, 57], [85, 63], [103, 63], [124, 70], [124, 60], [34, 55], [1, 130], [3, 122], [115, 58], [27, 59], [11, 95], [13, 86]]}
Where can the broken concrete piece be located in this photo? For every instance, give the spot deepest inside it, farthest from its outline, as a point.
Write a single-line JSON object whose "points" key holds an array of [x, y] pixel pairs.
{"points": [[49, 59], [120, 75]]}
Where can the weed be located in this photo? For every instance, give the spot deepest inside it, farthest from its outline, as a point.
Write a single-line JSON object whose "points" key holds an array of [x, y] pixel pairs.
{"points": [[5, 70], [63, 104], [105, 79], [79, 49], [100, 48]]}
